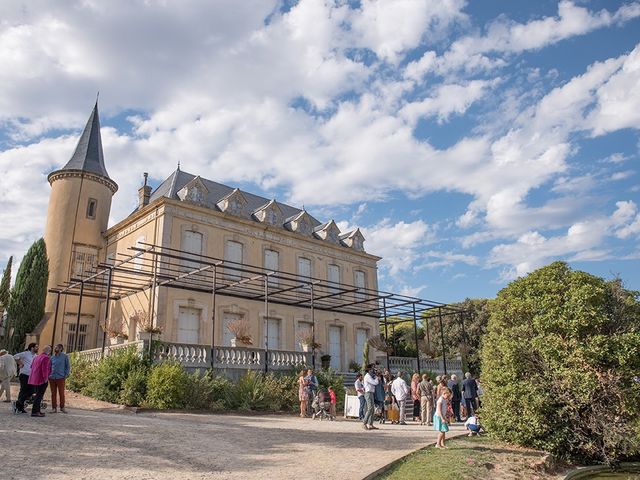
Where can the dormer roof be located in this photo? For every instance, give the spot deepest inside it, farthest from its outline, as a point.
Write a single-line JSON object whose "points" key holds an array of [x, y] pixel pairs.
{"points": [[353, 239], [328, 231], [254, 207], [194, 191]]}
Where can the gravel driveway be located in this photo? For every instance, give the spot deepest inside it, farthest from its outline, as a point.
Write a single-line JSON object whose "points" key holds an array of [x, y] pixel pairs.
{"points": [[90, 444]]}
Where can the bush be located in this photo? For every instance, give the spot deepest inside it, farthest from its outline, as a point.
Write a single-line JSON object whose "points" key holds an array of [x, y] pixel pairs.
{"points": [[134, 388], [168, 386], [81, 373], [248, 393], [558, 363], [200, 388], [107, 378], [282, 391]]}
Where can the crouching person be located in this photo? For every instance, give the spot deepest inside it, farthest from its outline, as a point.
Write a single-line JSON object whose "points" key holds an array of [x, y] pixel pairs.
{"points": [[473, 425]]}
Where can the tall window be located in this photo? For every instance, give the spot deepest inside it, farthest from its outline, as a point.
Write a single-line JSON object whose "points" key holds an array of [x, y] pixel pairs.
{"points": [[360, 284], [92, 206], [304, 269], [233, 254], [333, 276], [271, 261], [273, 333], [192, 245], [71, 336], [85, 260]]}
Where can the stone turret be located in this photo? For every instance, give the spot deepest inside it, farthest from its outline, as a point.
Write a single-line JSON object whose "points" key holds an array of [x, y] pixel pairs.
{"points": [[78, 214]]}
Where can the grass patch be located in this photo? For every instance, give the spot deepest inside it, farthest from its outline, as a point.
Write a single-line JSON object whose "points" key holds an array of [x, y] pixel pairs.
{"points": [[471, 458]]}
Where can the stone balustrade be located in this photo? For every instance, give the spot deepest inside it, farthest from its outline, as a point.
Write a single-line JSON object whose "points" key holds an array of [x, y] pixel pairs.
{"points": [[410, 364], [199, 356], [95, 354]]}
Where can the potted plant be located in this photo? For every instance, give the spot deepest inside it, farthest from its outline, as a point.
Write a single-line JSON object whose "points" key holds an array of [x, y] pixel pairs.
{"points": [[146, 328], [117, 337], [305, 337], [241, 330], [325, 361]]}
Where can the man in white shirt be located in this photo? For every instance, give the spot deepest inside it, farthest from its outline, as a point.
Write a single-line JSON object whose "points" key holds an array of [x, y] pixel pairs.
{"points": [[370, 382], [360, 392], [400, 391], [24, 360], [473, 425]]}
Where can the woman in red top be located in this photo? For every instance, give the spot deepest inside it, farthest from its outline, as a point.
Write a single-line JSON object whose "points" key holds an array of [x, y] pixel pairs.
{"points": [[39, 379], [332, 404]]}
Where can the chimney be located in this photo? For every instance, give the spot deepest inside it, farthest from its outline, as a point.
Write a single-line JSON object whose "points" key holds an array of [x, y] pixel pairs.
{"points": [[144, 193]]}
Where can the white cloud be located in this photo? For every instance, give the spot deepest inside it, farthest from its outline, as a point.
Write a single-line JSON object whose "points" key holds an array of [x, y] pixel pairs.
{"points": [[399, 244], [618, 100], [447, 100]]}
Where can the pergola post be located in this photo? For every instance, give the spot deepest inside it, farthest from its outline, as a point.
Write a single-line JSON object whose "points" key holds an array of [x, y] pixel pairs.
{"points": [[106, 310], [266, 323], [313, 328], [415, 335], [444, 354], [213, 317], [465, 345], [152, 300], [75, 340], [386, 331], [55, 318]]}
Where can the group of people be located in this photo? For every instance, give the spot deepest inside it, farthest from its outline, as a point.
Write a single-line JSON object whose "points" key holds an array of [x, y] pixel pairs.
{"points": [[312, 398], [436, 404], [35, 373]]}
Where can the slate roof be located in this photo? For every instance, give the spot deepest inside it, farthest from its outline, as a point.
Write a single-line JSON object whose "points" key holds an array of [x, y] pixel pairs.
{"points": [[88, 155], [217, 191]]}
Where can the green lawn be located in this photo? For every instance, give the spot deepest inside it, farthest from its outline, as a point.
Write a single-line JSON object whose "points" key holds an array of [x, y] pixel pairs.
{"points": [[471, 458]]}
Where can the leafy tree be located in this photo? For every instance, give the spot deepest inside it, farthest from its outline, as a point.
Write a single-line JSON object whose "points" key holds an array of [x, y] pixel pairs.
{"points": [[559, 363], [26, 305], [402, 337], [476, 318]]}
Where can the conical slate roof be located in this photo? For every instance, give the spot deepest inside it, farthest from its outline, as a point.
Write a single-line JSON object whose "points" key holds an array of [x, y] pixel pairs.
{"points": [[88, 155]]}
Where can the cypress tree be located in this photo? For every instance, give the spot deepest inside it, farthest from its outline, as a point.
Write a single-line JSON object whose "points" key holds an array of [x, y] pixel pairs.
{"points": [[5, 286], [5, 292], [26, 305]]}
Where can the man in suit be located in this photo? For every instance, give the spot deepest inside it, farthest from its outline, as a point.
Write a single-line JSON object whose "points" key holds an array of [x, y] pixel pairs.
{"points": [[470, 393], [456, 397]]}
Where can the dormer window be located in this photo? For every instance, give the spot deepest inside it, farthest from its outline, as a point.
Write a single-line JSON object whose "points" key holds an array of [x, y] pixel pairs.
{"points": [[271, 217], [235, 206], [234, 203], [194, 191]]}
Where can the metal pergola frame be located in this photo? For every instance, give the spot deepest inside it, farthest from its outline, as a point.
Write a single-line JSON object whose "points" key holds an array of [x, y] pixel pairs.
{"points": [[149, 267]]}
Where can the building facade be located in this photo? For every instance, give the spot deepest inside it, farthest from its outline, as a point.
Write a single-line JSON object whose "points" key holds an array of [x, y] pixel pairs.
{"points": [[197, 217]]}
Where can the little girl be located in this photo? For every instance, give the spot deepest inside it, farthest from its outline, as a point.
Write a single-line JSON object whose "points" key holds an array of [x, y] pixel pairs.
{"points": [[440, 424], [332, 403]]}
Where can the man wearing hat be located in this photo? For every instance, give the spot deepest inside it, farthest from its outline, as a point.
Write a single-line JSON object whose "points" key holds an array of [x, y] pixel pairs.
{"points": [[7, 372]]}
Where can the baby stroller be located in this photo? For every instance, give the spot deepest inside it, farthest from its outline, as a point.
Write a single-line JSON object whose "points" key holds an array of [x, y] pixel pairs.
{"points": [[29, 402], [320, 406]]}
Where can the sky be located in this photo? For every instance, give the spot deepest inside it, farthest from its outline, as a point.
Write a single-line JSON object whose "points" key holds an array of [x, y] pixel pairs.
{"points": [[471, 142]]}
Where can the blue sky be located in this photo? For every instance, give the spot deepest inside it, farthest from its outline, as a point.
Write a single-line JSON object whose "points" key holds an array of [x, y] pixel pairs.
{"points": [[472, 142]]}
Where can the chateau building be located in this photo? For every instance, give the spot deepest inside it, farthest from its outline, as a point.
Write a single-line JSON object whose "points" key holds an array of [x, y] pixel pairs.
{"points": [[199, 217]]}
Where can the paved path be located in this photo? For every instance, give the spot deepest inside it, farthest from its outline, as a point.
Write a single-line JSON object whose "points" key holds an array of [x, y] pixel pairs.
{"points": [[89, 444]]}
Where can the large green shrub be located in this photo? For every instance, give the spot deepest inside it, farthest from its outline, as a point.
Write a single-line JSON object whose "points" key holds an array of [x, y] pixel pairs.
{"points": [[81, 373], [168, 386], [134, 388], [558, 363], [248, 393], [282, 391], [108, 377]]}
